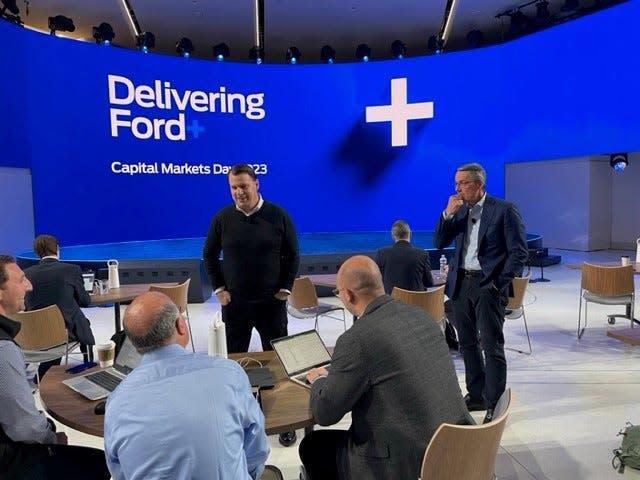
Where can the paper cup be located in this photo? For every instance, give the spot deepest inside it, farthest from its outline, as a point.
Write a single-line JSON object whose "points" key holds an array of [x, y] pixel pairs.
{"points": [[106, 351], [625, 260]]}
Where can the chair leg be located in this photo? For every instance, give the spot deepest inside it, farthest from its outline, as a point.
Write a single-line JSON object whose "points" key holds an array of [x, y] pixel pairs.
{"points": [[526, 329], [186, 314], [580, 332]]}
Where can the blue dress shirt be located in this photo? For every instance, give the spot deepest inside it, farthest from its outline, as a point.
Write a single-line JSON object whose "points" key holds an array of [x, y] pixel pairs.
{"points": [[184, 416], [19, 417]]}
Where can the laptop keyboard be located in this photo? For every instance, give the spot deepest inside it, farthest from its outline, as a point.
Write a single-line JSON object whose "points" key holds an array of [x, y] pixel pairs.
{"points": [[105, 380], [302, 378]]}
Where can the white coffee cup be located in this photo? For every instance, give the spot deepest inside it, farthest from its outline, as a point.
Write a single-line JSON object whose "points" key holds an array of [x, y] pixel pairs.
{"points": [[624, 259], [106, 351]]}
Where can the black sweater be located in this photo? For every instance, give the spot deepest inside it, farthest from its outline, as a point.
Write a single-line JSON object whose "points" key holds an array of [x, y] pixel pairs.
{"points": [[260, 252]]}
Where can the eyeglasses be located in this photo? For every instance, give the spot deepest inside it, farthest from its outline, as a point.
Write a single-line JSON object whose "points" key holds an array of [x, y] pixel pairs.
{"points": [[336, 291], [462, 183]]}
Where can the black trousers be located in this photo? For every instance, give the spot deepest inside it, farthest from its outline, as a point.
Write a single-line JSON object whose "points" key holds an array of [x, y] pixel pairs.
{"points": [[320, 453], [54, 462], [479, 317], [269, 317]]}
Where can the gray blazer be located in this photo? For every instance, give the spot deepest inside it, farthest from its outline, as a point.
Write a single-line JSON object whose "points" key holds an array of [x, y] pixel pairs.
{"points": [[393, 372]]}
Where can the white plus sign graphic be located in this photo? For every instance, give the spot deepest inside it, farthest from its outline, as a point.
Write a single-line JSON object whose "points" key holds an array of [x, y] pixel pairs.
{"points": [[399, 112]]}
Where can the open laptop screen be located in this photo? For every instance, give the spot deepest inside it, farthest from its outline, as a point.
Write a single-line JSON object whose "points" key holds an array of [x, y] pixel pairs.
{"points": [[301, 352], [128, 357]]}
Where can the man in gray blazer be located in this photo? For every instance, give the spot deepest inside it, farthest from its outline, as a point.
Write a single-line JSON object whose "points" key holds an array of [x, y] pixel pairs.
{"points": [[393, 372]]}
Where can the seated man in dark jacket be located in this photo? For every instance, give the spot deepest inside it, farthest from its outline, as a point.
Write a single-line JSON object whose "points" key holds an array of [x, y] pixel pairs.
{"points": [[61, 284], [402, 264]]}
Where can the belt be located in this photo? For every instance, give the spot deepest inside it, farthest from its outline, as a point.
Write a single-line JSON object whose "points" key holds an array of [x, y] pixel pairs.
{"points": [[470, 273]]}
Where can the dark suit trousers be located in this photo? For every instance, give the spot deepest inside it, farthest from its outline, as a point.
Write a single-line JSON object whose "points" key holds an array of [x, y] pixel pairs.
{"points": [[269, 317], [319, 453], [480, 311]]}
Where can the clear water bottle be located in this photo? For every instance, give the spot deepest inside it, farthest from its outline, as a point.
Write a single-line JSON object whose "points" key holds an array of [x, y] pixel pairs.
{"points": [[443, 263]]}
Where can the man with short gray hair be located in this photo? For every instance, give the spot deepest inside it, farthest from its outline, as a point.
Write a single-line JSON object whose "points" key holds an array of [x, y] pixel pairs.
{"points": [[180, 415], [402, 264]]}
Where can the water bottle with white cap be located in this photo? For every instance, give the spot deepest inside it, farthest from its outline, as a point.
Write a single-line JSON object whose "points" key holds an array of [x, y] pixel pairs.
{"points": [[443, 263]]}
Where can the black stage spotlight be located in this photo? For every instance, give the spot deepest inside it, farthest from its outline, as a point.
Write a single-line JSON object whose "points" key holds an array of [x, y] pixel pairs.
{"points": [[11, 6], [435, 44], [327, 54], [475, 38], [363, 52], [520, 24], [256, 54], [398, 49], [220, 51], [293, 55], [60, 23], [618, 161], [103, 34], [146, 41], [542, 13], [570, 5], [184, 47]]}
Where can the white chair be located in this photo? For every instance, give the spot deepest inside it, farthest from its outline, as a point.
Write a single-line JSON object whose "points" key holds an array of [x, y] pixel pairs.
{"points": [[303, 302], [431, 301], [43, 335], [467, 452], [179, 294], [515, 308], [606, 286]]}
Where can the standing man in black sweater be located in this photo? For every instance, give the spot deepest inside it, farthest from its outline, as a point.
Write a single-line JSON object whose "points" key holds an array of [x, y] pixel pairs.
{"points": [[260, 261]]}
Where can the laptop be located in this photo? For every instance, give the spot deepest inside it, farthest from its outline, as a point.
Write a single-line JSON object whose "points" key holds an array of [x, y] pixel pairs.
{"points": [[100, 384], [300, 353]]}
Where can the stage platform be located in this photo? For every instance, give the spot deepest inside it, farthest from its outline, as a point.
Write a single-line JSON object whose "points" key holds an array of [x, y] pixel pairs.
{"points": [[175, 260]]}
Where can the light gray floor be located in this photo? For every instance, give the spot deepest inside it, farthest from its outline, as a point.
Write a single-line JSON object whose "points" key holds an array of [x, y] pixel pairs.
{"points": [[570, 397]]}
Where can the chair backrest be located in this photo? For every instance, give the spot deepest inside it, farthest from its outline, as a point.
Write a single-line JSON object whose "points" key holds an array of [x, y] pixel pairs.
{"points": [[607, 281], [179, 294], [466, 451], [41, 329], [519, 289], [303, 294], [432, 301]]}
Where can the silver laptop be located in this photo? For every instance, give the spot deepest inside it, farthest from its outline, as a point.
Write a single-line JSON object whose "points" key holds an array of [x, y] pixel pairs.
{"points": [[100, 384], [300, 353]]}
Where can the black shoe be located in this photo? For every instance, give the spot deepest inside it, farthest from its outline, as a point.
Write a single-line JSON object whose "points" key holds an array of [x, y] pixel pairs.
{"points": [[287, 439], [473, 405], [489, 416]]}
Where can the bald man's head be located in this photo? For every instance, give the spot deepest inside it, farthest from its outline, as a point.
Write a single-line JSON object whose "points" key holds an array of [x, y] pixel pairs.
{"points": [[360, 277], [151, 321]]}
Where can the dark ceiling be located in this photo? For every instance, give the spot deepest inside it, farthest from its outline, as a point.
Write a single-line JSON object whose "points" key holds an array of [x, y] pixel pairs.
{"points": [[306, 24]]}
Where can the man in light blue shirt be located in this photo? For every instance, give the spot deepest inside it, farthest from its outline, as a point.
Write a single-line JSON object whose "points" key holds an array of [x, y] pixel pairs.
{"points": [[180, 415]]}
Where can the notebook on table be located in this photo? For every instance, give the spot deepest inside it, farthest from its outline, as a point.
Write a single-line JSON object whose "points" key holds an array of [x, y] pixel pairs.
{"points": [[100, 384], [300, 353]]}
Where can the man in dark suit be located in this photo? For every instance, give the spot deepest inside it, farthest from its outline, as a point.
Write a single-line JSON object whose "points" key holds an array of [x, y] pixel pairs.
{"points": [[491, 249], [403, 265], [393, 372], [61, 284]]}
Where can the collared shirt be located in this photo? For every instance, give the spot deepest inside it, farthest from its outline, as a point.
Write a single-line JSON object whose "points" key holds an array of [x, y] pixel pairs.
{"points": [[254, 209], [184, 416], [19, 417], [470, 248]]}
